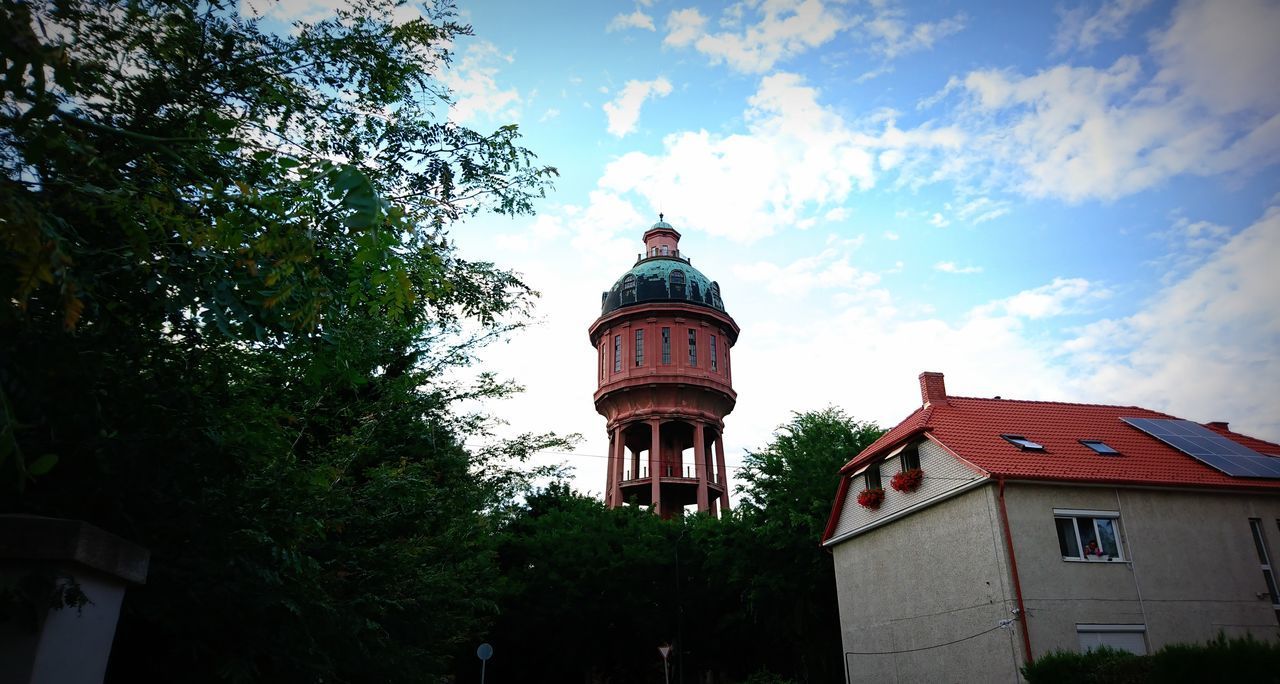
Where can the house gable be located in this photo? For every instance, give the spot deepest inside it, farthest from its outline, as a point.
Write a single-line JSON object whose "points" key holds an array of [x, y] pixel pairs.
{"points": [[945, 475]]}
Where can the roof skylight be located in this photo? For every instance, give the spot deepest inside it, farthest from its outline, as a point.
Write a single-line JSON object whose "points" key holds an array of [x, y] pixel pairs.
{"points": [[1023, 443], [1100, 447]]}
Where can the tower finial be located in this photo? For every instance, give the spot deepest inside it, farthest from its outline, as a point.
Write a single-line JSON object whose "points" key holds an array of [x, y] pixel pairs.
{"points": [[659, 216]]}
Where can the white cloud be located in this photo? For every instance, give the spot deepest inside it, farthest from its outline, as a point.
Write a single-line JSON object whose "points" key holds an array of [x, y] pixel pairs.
{"points": [[939, 220], [1224, 55], [474, 86], [795, 158], [951, 267], [1061, 296], [831, 269], [890, 235], [891, 36], [786, 28], [1082, 30], [837, 214], [981, 210], [684, 26], [1081, 133], [624, 111], [635, 20], [1204, 347]]}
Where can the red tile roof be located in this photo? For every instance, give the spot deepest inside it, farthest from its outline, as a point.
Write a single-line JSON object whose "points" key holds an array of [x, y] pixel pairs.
{"points": [[971, 428]]}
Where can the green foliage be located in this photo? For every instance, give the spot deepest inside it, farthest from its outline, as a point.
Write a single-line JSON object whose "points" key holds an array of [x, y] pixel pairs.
{"points": [[589, 593], [233, 326], [1221, 660]]}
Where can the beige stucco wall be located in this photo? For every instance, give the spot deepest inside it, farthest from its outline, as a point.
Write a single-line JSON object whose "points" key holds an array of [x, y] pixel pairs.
{"points": [[929, 578], [1190, 558]]}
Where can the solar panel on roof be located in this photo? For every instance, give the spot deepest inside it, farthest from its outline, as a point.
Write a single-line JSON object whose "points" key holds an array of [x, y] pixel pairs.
{"points": [[1209, 447]]}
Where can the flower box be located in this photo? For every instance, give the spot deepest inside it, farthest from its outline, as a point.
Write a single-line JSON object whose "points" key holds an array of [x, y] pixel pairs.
{"points": [[871, 498], [907, 480]]}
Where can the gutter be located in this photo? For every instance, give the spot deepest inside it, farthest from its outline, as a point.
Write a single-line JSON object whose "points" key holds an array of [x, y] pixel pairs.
{"points": [[1013, 570]]}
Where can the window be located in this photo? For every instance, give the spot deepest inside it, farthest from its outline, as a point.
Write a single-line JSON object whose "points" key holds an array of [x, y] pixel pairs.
{"points": [[1088, 535], [910, 457], [640, 347], [617, 353], [628, 288], [1023, 443], [715, 296], [1131, 638], [677, 283], [1264, 558], [666, 346], [664, 250], [693, 348], [714, 365], [1100, 447], [602, 360], [872, 477]]}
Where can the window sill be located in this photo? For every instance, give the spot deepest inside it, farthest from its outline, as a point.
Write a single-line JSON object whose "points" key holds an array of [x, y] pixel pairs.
{"points": [[1102, 561]]}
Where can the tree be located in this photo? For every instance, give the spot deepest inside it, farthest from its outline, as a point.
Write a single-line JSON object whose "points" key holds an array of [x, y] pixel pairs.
{"points": [[786, 496], [233, 319]]}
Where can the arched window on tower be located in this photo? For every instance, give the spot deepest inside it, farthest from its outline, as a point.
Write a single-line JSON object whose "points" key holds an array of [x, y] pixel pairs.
{"points": [[715, 296], [677, 284], [628, 288]]}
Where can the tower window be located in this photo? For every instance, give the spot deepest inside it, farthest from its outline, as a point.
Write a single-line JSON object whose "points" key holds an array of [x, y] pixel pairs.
{"points": [[715, 296], [693, 348], [664, 250], [714, 354], [677, 283], [640, 347], [617, 353], [666, 346], [628, 288]]}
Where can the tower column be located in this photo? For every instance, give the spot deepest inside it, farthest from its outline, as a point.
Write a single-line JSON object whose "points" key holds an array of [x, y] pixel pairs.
{"points": [[724, 475], [655, 463], [615, 466], [700, 458]]}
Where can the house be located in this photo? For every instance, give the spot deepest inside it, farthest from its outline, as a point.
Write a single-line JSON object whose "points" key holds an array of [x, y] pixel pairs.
{"points": [[1040, 526]]}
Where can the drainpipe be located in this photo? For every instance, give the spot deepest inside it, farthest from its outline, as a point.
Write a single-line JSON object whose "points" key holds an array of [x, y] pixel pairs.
{"points": [[1013, 570]]}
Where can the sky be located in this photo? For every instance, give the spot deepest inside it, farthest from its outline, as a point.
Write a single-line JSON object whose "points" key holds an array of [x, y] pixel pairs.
{"points": [[1070, 202]]}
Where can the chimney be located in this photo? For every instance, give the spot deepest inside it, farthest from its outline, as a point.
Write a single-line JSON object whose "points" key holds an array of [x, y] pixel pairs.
{"points": [[1220, 424], [932, 389]]}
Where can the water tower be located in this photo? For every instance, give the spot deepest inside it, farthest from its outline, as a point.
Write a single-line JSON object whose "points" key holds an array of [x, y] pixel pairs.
{"points": [[665, 381]]}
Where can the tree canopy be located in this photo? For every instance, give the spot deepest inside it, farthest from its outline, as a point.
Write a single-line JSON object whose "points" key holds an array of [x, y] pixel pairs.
{"points": [[231, 323]]}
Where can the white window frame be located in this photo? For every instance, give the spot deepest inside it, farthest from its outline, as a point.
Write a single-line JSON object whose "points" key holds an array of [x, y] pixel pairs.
{"points": [[1114, 629], [1074, 514]]}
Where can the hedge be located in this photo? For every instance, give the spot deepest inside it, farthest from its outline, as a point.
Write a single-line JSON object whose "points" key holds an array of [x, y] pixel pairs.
{"points": [[1236, 660]]}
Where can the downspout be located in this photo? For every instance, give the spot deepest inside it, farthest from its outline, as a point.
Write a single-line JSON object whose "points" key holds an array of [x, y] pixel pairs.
{"points": [[1013, 570]]}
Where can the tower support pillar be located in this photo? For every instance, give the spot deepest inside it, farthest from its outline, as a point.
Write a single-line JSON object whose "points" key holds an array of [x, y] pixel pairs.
{"points": [[700, 460]]}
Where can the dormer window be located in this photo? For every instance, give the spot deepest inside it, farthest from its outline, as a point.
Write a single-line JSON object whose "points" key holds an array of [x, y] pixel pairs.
{"points": [[629, 288], [1023, 443], [677, 283], [871, 478]]}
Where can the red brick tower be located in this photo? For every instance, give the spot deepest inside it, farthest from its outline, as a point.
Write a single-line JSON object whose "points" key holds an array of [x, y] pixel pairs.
{"points": [[665, 382]]}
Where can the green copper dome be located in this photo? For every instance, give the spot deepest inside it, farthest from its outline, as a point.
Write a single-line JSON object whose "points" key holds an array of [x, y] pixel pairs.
{"points": [[662, 279]]}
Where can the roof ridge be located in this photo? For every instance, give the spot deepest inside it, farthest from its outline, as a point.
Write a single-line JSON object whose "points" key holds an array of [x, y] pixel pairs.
{"points": [[1059, 403]]}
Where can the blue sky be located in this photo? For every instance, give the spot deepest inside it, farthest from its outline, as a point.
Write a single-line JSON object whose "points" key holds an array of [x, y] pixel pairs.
{"points": [[1074, 202]]}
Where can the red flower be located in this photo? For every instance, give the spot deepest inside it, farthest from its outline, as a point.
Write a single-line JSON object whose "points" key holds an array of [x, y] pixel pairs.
{"points": [[907, 480], [871, 498]]}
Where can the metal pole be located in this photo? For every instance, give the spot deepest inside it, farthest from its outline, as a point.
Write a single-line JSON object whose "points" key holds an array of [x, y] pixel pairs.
{"points": [[482, 664], [666, 677]]}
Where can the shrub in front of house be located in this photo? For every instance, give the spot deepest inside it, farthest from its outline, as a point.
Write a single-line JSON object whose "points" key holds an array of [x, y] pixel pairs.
{"points": [[1221, 660]]}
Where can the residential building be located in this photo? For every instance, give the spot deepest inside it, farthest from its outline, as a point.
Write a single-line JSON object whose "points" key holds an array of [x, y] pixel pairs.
{"points": [[1039, 526]]}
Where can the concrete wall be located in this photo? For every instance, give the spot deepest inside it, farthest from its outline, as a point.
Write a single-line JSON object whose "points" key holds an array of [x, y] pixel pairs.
{"points": [[929, 578], [943, 475], [1190, 568]]}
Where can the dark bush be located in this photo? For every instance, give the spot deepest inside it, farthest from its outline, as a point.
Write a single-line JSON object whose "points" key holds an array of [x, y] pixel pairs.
{"points": [[1236, 660], [1099, 666]]}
